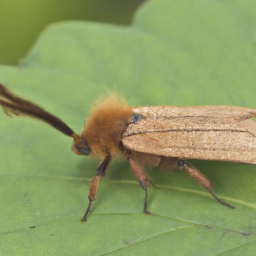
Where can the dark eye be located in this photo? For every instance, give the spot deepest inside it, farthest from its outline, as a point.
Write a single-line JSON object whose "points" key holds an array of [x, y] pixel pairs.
{"points": [[82, 146], [83, 151]]}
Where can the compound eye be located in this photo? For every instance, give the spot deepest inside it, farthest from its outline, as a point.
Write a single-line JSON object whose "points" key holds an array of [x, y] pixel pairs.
{"points": [[81, 147], [82, 150]]}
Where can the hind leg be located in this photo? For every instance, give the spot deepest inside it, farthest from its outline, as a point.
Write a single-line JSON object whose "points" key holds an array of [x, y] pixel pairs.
{"points": [[193, 172]]}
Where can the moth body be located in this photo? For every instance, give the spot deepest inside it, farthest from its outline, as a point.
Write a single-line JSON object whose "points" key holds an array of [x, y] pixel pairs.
{"points": [[158, 136]]}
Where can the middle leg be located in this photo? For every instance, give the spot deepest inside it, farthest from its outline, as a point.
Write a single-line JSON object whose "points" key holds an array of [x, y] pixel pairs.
{"points": [[142, 178]]}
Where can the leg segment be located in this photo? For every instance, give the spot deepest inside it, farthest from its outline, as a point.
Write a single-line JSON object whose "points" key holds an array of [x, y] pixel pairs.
{"points": [[142, 178], [101, 171], [200, 178]]}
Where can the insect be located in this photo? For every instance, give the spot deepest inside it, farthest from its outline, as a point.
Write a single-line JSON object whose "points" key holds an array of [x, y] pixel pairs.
{"points": [[159, 136]]}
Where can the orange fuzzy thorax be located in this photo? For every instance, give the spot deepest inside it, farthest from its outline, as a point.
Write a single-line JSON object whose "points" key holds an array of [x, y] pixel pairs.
{"points": [[105, 126]]}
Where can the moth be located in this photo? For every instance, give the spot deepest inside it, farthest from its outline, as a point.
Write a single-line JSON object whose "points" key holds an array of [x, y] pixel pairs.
{"points": [[158, 136]]}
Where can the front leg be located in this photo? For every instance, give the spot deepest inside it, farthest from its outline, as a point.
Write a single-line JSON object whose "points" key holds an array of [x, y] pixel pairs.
{"points": [[141, 176], [100, 172]]}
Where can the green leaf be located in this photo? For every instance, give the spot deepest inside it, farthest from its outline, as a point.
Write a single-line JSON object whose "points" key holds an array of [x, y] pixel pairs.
{"points": [[175, 53]]}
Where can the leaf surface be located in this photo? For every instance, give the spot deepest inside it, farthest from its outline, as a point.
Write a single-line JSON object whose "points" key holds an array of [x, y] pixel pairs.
{"points": [[175, 53]]}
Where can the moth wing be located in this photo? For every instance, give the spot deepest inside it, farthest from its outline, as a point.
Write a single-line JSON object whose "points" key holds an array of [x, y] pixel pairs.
{"points": [[222, 133]]}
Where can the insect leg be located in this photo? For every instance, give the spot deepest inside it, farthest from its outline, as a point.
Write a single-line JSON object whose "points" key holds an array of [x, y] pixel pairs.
{"points": [[200, 178], [142, 177], [100, 172]]}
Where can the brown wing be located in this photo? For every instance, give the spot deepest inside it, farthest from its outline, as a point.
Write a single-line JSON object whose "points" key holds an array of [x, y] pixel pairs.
{"points": [[222, 133]]}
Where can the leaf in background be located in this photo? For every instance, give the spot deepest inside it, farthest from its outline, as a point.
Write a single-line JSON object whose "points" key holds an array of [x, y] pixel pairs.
{"points": [[176, 53]]}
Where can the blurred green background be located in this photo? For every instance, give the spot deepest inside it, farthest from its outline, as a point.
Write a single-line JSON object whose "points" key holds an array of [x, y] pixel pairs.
{"points": [[22, 21]]}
